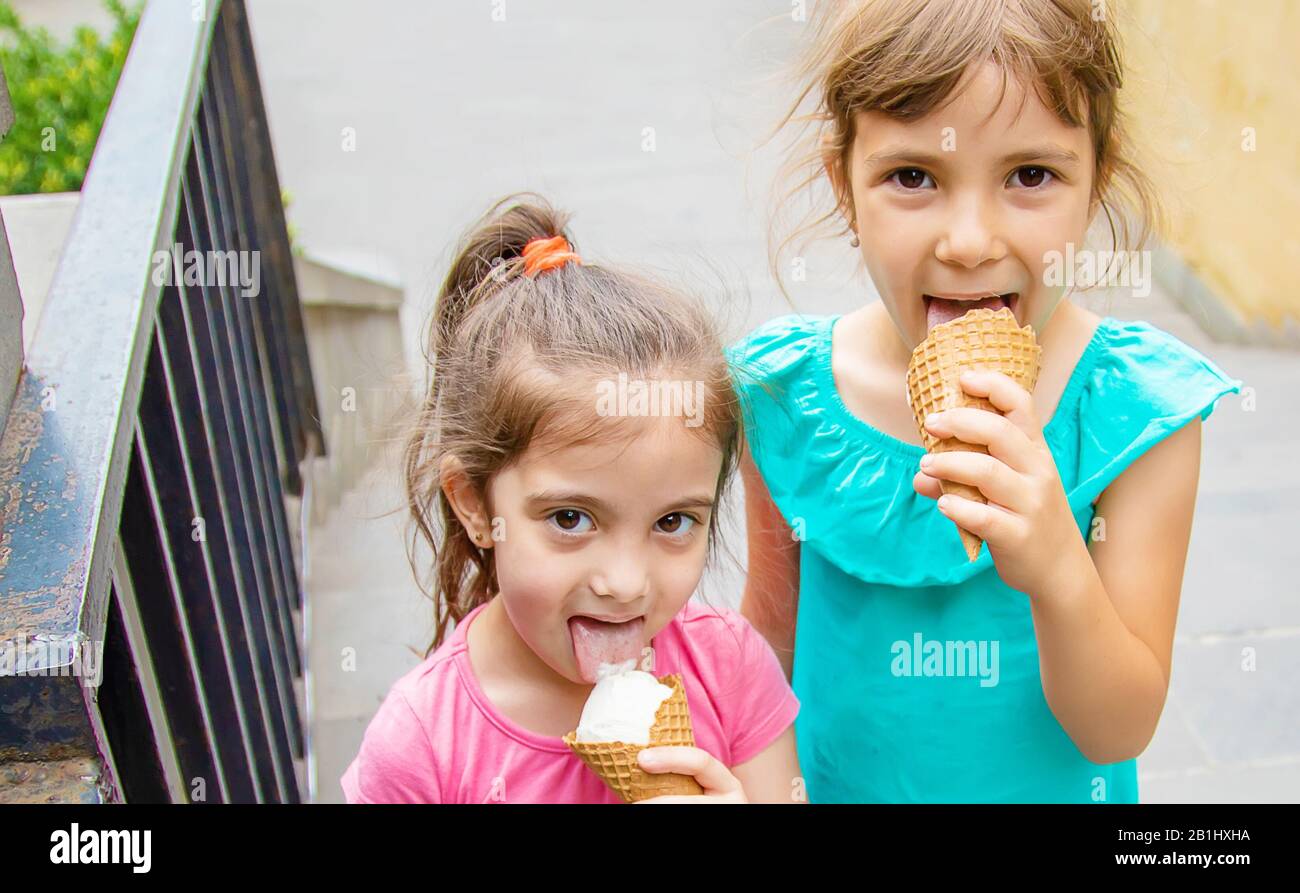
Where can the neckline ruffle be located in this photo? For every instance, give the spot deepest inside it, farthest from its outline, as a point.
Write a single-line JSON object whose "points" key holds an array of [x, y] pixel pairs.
{"points": [[822, 348], [822, 463], [897, 520]]}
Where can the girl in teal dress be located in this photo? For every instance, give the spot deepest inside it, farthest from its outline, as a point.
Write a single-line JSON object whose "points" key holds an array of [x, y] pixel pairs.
{"points": [[968, 145]]}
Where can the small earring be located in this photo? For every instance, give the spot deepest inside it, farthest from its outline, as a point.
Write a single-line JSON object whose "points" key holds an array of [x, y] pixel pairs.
{"points": [[854, 241]]}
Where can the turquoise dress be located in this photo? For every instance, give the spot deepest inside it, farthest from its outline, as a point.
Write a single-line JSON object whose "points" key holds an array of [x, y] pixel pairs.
{"points": [[916, 668]]}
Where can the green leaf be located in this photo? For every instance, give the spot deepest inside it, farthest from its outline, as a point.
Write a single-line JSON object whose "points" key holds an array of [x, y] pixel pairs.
{"points": [[66, 88]]}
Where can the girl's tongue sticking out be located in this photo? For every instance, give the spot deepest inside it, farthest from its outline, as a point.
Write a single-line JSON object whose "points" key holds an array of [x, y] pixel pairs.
{"points": [[941, 310], [596, 642]]}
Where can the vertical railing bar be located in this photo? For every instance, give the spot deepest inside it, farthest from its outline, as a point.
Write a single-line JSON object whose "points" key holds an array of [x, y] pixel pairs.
{"points": [[283, 402], [275, 601], [278, 536], [270, 351], [252, 500], [260, 170], [268, 478], [290, 569], [105, 750], [174, 587], [265, 347], [147, 675], [269, 315], [239, 534], [161, 436], [235, 676], [143, 548]]}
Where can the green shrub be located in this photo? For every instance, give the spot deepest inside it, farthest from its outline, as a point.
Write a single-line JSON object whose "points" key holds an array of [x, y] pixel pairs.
{"points": [[60, 96]]}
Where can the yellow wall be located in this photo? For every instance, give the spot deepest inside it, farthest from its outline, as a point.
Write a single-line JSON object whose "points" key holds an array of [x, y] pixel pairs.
{"points": [[1199, 72]]}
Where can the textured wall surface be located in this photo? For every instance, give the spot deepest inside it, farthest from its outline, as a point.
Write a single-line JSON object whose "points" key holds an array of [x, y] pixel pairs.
{"points": [[1212, 87]]}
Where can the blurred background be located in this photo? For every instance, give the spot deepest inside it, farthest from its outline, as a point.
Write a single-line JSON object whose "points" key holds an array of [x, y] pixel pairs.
{"points": [[396, 122]]}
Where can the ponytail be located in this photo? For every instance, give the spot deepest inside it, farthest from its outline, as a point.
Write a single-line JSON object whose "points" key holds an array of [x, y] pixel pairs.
{"points": [[490, 255], [488, 259]]}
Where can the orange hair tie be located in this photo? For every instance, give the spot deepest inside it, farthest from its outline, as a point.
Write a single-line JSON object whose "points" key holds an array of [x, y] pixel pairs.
{"points": [[541, 255]]}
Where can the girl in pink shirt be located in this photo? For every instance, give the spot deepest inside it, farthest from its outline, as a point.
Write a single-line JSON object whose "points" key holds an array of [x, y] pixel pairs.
{"points": [[578, 434]]}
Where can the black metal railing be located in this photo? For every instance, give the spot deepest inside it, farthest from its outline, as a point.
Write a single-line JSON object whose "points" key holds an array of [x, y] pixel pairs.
{"points": [[151, 637]]}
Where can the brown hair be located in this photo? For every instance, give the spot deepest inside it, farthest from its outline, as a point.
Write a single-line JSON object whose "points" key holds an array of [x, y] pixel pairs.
{"points": [[515, 361], [904, 57]]}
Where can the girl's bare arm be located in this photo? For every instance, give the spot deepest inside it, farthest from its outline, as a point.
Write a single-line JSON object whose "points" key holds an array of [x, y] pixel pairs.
{"points": [[773, 776], [771, 598], [1105, 645]]}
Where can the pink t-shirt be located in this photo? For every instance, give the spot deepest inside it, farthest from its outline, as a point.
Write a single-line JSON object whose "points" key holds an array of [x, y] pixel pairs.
{"points": [[437, 739]]}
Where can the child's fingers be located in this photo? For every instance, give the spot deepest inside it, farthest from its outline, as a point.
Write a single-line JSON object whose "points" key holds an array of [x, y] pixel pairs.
{"points": [[979, 426], [714, 777], [1006, 394], [926, 485], [991, 523], [987, 474]]}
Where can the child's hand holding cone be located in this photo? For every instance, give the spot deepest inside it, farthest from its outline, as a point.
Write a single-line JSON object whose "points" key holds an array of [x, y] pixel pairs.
{"points": [[1022, 512], [717, 782], [981, 339], [670, 769]]}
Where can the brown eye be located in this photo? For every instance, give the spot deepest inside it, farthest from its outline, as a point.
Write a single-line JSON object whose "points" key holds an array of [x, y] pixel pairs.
{"points": [[1030, 177], [911, 178], [568, 520], [676, 523]]}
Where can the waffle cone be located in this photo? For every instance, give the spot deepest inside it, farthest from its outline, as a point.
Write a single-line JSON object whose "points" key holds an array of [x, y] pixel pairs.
{"points": [[982, 339], [616, 762]]}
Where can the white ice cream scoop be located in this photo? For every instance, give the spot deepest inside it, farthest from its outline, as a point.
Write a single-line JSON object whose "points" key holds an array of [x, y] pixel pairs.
{"points": [[622, 706]]}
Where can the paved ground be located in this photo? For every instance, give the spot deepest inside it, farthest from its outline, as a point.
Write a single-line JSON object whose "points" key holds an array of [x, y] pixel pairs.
{"points": [[450, 108]]}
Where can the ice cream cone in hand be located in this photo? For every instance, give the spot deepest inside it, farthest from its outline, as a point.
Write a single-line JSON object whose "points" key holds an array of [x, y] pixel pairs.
{"points": [[981, 339], [626, 713]]}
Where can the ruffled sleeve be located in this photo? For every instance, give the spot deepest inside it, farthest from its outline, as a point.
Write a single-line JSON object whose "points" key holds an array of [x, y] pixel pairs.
{"points": [[766, 367], [1143, 385]]}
